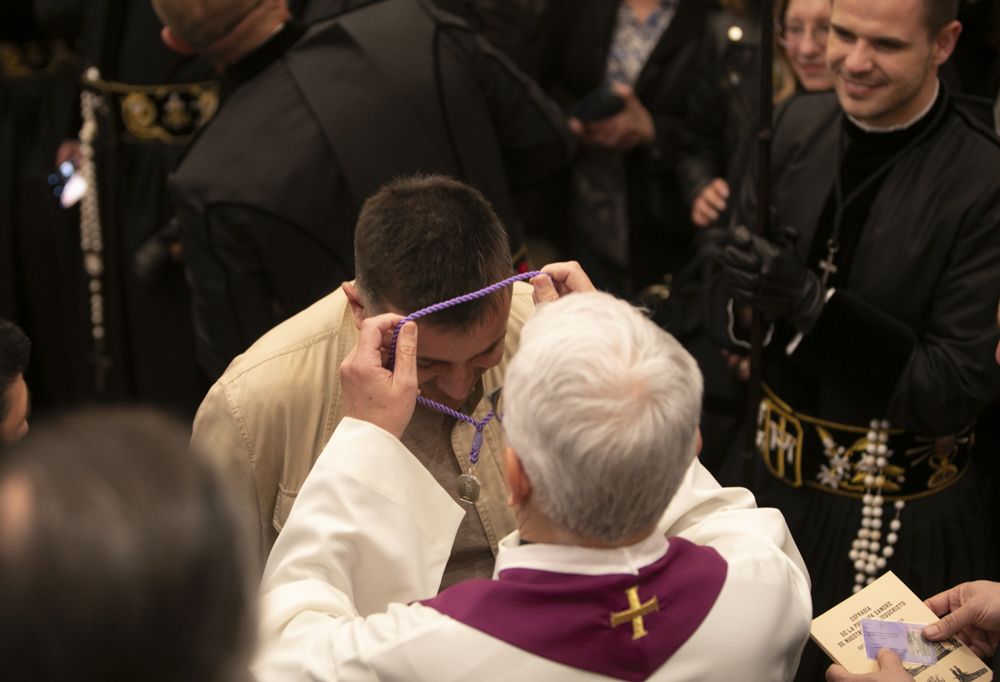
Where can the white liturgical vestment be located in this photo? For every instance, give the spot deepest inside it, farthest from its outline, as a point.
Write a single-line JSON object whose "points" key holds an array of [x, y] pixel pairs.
{"points": [[718, 593]]}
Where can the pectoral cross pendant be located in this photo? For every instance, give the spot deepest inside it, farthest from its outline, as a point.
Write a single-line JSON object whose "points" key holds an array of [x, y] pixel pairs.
{"points": [[827, 265]]}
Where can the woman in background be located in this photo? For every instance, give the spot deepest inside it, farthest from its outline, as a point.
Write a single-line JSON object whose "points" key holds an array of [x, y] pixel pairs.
{"points": [[625, 213], [718, 151], [723, 114]]}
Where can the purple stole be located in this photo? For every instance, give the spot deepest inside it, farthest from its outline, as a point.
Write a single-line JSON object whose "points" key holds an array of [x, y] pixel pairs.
{"points": [[568, 618]]}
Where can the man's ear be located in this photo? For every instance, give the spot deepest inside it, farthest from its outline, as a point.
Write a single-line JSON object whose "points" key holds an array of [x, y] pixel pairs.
{"points": [[701, 443], [518, 483], [175, 43], [944, 43], [357, 305]]}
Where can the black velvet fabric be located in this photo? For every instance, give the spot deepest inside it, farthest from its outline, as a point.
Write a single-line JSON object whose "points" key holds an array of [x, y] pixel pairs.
{"points": [[854, 343], [909, 336], [149, 330]]}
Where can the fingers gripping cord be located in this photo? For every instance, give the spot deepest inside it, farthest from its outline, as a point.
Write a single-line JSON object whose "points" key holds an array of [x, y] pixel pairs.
{"points": [[479, 425]]}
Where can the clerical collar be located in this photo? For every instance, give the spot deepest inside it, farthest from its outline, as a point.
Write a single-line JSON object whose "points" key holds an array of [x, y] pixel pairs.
{"points": [[885, 143], [902, 126], [284, 36], [515, 553]]}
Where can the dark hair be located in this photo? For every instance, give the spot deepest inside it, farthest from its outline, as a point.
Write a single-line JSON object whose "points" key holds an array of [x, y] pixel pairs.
{"points": [[938, 13], [427, 238], [15, 351], [127, 562]]}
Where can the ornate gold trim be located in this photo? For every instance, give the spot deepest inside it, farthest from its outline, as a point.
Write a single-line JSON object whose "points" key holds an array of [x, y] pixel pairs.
{"points": [[169, 113], [780, 437], [36, 59]]}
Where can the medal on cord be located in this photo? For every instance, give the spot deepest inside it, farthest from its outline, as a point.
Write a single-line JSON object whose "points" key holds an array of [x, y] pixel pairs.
{"points": [[468, 484]]}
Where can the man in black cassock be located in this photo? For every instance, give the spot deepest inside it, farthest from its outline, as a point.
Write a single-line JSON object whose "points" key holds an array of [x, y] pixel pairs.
{"points": [[881, 278], [312, 122], [151, 101], [42, 286]]}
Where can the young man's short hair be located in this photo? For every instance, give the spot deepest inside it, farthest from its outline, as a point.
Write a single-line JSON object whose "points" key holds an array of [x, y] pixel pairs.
{"points": [[424, 239]]}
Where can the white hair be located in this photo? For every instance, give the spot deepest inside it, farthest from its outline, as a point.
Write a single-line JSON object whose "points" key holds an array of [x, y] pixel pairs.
{"points": [[602, 408]]}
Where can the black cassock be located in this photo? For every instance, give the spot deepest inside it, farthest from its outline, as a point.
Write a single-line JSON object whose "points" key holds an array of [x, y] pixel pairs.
{"points": [[42, 287], [149, 338], [312, 123], [908, 337]]}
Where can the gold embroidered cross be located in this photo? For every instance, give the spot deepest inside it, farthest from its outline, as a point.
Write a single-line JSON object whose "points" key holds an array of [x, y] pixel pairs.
{"points": [[635, 612]]}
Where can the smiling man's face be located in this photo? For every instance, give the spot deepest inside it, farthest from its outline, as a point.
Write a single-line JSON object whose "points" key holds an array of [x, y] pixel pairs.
{"points": [[883, 60]]}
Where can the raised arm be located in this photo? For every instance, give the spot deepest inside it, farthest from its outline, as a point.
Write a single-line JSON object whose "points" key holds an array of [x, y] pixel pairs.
{"points": [[370, 525]]}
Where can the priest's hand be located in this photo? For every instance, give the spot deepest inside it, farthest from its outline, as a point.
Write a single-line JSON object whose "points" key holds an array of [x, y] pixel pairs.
{"points": [[373, 393], [970, 612], [562, 278], [770, 277], [890, 669]]}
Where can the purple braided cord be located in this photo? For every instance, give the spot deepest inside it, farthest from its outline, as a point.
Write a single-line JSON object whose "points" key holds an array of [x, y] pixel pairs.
{"points": [[479, 425], [464, 298]]}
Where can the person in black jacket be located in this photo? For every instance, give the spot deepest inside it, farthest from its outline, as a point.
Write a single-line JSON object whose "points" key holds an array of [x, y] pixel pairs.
{"points": [[139, 104], [627, 220], [42, 285], [723, 116], [718, 150], [880, 277], [312, 122]]}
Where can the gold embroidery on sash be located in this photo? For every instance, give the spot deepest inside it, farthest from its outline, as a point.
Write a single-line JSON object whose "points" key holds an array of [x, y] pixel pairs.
{"points": [[635, 611]]}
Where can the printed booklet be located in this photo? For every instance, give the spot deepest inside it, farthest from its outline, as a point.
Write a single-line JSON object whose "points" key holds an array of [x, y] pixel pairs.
{"points": [[886, 614]]}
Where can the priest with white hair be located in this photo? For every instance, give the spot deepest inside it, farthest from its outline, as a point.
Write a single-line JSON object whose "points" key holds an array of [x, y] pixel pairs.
{"points": [[629, 562]]}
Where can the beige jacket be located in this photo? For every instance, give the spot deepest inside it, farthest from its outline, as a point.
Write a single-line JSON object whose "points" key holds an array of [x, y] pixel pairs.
{"points": [[266, 420]]}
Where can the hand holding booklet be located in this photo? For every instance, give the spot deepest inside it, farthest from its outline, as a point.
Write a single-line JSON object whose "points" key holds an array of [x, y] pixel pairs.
{"points": [[887, 615]]}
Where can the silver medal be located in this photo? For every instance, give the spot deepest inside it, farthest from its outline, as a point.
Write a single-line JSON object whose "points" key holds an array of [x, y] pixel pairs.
{"points": [[468, 488]]}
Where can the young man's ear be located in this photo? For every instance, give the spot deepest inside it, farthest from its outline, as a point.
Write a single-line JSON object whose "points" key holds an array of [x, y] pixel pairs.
{"points": [[357, 305], [175, 43], [518, 482]]}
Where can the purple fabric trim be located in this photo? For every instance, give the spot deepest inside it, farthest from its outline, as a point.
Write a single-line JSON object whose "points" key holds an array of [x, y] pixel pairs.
{"points": [[566, 617]]}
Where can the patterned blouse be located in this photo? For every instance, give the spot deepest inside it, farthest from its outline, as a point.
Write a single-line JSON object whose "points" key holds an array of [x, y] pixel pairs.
{"points": [[599, 212]]}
